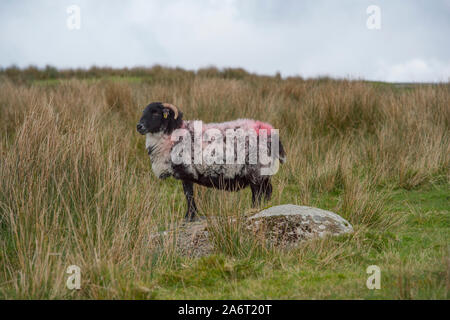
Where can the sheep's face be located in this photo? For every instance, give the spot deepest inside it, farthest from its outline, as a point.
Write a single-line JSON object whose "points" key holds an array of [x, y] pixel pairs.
{"points": [[157, 117]]}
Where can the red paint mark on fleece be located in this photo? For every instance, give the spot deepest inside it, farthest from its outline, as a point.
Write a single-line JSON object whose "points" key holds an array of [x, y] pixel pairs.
{"points": [[262, 126]]}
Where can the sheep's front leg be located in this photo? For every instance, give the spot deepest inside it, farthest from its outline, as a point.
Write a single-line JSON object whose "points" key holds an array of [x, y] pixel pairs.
{"points": [[188, 188], [264, 188]]}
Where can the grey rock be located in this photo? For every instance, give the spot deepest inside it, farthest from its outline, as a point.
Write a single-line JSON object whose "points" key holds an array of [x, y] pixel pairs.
{"points": [[289, 224], [190, 238], [283, 226]]}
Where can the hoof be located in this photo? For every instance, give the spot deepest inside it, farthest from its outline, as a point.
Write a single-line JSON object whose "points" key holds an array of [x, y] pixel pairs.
{"points": [[193, 218], [190, 217]]}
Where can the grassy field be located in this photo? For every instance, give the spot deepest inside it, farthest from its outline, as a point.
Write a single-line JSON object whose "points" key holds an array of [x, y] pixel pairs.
{"points": [[76, 187]]}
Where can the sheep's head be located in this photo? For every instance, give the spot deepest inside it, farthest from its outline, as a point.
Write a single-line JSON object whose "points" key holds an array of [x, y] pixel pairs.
{"points": [[160, 117]]}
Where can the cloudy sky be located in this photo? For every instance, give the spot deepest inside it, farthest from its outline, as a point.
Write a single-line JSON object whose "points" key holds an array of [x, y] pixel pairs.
{"points": [[308, 38]]}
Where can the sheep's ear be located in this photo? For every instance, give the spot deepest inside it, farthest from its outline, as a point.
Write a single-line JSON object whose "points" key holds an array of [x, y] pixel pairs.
{"points": [[173, 123]]}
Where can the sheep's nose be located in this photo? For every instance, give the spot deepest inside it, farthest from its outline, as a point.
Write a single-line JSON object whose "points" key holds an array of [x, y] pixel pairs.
{"points": [[140, 127]]}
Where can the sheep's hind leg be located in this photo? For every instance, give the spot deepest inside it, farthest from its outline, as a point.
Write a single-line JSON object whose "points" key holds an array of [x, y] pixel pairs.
{"points": [[188, 188], [264, 188]]}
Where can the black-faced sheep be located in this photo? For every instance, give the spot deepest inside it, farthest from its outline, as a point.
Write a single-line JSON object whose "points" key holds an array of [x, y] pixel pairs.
{"points": [[229, 155]]}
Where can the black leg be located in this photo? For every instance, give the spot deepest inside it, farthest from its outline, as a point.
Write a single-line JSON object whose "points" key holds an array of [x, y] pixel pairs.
{"points": [[258, 190], [188, 188], [267, 190], [256, 197]]}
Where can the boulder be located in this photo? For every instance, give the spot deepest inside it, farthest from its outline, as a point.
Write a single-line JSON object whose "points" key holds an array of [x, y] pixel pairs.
{"points": [[283, 226], [190, 238], [290, 224]]}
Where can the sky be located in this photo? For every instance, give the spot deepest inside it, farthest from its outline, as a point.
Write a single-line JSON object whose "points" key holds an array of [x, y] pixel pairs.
{"points": [[308, 38]]}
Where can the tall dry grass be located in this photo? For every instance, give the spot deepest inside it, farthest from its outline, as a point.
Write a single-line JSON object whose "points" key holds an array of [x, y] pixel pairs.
{"points": [[76, 185]]}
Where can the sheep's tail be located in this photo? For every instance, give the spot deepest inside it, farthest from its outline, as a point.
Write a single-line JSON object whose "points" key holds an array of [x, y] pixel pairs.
{"points": [[282, 153]]}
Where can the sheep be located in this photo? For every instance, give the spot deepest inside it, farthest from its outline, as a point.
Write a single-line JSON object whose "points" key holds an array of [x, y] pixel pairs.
{"points": [[205, 154]]}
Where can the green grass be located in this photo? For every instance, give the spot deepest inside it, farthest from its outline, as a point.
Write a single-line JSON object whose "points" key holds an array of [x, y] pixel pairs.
{"points": [[417, 249], [128, 79], [412, 257]]}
